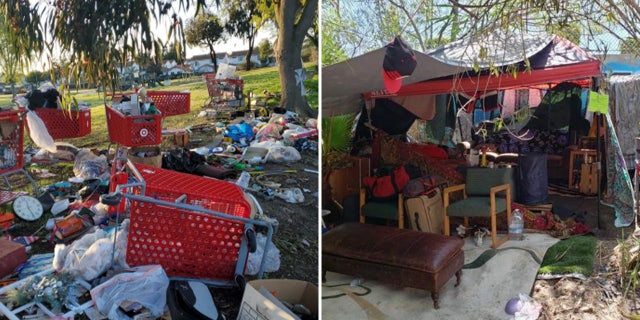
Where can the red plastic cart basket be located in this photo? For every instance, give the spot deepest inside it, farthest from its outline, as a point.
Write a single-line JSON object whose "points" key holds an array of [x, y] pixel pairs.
{"points": [[63, 124], [217, 87], [187, 243], [171, 103], [11, 142], [133, 131]]}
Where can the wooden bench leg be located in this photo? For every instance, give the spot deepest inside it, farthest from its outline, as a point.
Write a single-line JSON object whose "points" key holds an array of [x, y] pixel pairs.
{"points": [[435, 296], [458, 277]]}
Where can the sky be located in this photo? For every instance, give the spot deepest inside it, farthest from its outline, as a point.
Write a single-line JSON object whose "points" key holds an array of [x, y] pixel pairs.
{"points": [[232, 44]]}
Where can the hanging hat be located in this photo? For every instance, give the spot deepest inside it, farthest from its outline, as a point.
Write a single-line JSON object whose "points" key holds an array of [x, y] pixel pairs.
{"points": [[399, 62]]}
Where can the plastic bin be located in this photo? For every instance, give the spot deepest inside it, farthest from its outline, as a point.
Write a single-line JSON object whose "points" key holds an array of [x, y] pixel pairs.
{"points": [[11, 140], [133, 131], [171, 103], [187, 243], [63, 124]]}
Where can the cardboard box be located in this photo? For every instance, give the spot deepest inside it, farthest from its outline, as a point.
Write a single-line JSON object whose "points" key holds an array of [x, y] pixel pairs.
{"points": [[261, 299], [11, 256], [152, 155], [175, 138]]}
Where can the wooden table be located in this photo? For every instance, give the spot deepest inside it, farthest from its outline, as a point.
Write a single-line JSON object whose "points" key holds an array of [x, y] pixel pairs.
{"points": [[588, 155]]}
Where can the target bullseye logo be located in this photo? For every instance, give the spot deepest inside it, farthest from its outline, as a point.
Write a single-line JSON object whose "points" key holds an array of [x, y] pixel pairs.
{"points": [[144, 132]]}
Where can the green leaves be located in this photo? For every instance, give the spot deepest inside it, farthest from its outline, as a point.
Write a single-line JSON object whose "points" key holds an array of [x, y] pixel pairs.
{"points": [[336, 133]]}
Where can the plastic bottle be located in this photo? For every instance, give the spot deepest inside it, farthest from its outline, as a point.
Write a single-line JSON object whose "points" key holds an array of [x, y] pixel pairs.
{"points": [[516, 225], [203, 151], [483, 161], [243, 180]]}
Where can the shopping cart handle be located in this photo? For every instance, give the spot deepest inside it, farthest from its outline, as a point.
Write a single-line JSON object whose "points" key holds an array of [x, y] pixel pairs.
{"points": [[111, 199], [241, 282], [251, 240]]}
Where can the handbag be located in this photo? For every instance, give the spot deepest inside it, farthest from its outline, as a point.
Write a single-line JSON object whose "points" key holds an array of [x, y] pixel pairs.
{"points": [[387, 185]]}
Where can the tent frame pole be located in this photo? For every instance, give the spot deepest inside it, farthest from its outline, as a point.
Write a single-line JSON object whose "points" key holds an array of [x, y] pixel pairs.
{"points": [[599, 166]]}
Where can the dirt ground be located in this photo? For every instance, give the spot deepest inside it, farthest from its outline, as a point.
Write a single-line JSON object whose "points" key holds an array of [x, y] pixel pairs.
{"points": [[296, 235], [602, 295]]}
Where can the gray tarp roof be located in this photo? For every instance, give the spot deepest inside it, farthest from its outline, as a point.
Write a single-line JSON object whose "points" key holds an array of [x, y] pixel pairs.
{"points": [[344, 82]]}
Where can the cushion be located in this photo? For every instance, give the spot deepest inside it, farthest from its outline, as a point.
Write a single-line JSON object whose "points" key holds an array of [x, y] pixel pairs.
{"points": [[479, 181], [475, 207], [381, 209]]}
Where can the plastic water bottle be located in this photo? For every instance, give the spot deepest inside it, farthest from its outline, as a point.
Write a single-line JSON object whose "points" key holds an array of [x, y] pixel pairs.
{"points": [[243, 180], [203, 151], [516, 225]]}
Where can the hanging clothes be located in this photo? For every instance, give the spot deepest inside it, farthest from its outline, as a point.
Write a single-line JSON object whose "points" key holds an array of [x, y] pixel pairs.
{"points": [[620, 193], [623, 105]]}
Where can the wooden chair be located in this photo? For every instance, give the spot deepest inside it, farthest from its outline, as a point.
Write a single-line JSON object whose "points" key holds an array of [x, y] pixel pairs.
{"points": [[388, 210], [485, 193]]}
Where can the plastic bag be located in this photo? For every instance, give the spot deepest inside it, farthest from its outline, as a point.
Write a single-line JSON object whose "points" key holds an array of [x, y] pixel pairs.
{"points": [[90, 166], [530, 308], [238, 132], [271, 263], [90, 256], [77, 259], [280, 153], [146, 285], [291, 195], [39, 133], [270, 131]]}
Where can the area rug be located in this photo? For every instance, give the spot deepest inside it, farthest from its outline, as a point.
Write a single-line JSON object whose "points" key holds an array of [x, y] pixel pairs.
{"points": [[489, 279], [571, 257]]}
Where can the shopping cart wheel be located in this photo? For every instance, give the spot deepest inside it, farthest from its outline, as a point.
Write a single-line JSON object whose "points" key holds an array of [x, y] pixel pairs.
{"points": [[111, 199], [241, 282], [251, 238]]}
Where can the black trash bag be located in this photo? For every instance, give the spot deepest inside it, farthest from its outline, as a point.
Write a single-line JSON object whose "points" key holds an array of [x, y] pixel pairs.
{"points": [[182, 160]]}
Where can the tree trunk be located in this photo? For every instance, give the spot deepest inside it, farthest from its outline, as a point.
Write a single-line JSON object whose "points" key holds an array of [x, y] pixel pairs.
{"points": [[212, 55], [251, 39], [288, 51], [247, 58]]}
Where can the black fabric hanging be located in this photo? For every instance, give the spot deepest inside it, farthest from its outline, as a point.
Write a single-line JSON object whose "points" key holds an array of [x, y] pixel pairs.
{"points": [[391, 117], [532, 179]]}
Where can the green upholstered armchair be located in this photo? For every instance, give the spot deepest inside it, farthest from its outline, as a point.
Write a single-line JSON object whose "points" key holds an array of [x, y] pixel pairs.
{"points": [[485, 193], [388, 210]]}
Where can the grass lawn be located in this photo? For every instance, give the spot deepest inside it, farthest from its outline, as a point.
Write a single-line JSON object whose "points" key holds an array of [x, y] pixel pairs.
{"points": [[255, 81]]}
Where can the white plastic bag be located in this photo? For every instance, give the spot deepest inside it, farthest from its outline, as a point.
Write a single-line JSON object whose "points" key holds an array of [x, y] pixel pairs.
{"points": [[86, 257], [90, 256], [272, 262], [89, 166], [39, 133], [291, 195], [280, 153], [146, 285]]}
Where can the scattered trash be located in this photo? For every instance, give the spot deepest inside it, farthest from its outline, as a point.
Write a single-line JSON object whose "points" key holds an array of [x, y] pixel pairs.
{"points": [[243, 180], [88, 165], [60, 206], [272, 262], [35, 264], [356, 282], [523, 308], [86, 252], [145, 285], [291, 195]]}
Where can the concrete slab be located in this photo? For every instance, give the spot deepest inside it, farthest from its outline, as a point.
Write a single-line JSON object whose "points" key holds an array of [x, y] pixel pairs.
{"points": [[482, 294]]}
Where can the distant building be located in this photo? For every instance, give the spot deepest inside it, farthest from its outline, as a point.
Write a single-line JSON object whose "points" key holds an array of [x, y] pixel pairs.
{"points": [[173, 70], [620, 64], [202, 63]]}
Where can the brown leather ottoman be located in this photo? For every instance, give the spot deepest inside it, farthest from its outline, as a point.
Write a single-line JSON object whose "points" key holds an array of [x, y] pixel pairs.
{"points": [[397, 256]]}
